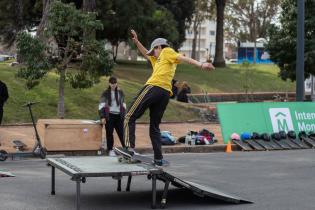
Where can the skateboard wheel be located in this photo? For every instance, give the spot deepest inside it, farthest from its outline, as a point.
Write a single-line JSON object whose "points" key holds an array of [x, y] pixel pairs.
{"points": [[42, 153], [3, 155]]}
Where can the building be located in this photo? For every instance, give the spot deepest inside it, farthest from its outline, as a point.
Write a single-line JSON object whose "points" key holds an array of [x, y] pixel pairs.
{"points": [[205, 41]]}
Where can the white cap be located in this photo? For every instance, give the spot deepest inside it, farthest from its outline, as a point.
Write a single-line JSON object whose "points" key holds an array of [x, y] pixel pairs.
{"points": [[155, 43]]}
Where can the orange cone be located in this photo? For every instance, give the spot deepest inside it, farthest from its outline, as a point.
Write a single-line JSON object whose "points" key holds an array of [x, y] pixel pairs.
{"points": [[228, 147]]}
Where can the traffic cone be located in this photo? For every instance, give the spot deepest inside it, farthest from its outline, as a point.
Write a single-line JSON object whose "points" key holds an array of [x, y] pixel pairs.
{"points": [[228, 147]]}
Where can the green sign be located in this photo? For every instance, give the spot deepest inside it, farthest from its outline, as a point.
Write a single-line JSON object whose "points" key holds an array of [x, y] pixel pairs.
{"points": [[266, 117]]}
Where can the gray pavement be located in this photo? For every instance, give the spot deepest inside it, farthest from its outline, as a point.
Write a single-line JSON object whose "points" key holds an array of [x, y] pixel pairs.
{"points": [[272, 180]]}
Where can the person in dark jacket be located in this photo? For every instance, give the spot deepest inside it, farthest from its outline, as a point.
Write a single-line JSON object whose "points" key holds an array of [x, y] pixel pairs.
{"points": [[112, 112], [3, 97], [182, 95], [174, 88]]}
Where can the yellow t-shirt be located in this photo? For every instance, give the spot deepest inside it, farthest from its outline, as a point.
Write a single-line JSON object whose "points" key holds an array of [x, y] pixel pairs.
{"points": [[164, 69]]}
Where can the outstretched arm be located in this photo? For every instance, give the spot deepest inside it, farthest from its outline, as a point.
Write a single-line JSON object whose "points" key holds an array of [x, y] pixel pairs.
{"points": [[202, 65], [140, 47]]}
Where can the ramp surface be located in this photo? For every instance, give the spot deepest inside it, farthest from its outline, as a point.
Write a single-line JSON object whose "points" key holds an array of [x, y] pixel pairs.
{"points": [[204, 191], [98, 166]]}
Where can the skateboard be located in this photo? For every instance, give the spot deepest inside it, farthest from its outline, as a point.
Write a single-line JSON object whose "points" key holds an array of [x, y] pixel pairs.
{"points": [[6, 174], [19, 145], [126, 157], [244, 146]]}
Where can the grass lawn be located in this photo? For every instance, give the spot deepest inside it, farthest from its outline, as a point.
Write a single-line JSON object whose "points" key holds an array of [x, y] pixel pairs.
{"points": [[83, 104]]}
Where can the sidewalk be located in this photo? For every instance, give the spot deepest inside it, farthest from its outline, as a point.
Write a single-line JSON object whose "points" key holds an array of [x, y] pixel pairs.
{"points": [[143, 143]]}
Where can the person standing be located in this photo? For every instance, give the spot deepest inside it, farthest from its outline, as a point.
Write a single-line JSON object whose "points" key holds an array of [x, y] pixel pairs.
{"points": [[156, 92], [4, 95], [112, 111]]}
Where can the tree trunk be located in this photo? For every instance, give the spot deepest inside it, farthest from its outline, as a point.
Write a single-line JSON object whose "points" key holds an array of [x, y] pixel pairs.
{"points": [[89, 6], [61, 101], [43, 21], [219, 59], [194, 41], [19, 23], [115, 50]]}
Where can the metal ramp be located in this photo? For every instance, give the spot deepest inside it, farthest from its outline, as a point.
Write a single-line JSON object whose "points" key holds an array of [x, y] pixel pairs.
{"points": [[82, 168], [198, 189]]}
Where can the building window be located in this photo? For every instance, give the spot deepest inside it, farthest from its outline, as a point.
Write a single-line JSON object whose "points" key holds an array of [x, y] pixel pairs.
{"points": [[212, 33]]}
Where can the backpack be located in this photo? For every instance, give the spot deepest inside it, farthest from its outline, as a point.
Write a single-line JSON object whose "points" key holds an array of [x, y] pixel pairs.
{"points": [[206, 137], [167, 138]]}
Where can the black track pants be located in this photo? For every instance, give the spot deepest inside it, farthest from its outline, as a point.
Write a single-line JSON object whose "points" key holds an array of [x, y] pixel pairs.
{"points": [[1, 114], [115, 121], [156, 99]]}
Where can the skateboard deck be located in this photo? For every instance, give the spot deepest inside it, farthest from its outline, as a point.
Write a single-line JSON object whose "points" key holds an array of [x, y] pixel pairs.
{"points": [[264, 144], [6, 174], [135, 158], [255, 145], [19, 144], [244, 146]]}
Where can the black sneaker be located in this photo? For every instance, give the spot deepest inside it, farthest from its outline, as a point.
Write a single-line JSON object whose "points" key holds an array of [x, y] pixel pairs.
{"points": [[131, 151], [161, 163]]}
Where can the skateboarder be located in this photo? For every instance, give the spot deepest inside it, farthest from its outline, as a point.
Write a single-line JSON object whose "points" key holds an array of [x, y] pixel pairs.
{"points": [[156, 92], [112, 111], [3, 97]]}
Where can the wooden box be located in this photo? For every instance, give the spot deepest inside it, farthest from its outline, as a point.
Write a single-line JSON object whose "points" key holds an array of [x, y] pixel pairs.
{"points": [[69, 135]]}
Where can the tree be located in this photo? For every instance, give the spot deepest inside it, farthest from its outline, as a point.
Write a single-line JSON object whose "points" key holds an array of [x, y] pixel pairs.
{"points": [[15, 16], [163, 24], [43, 21], [65, 26], [247, 20], [36, 64], [119, 16], [218, 58], [182, 11], [146, 17], [282, 39]]}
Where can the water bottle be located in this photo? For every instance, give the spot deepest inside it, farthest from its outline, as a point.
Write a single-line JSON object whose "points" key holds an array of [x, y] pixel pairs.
{"points": [[193, 140], [188, 138], [18, 156]]}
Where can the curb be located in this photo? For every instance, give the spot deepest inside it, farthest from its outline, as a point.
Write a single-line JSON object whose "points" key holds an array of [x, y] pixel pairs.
{"points": [[165, 149]]}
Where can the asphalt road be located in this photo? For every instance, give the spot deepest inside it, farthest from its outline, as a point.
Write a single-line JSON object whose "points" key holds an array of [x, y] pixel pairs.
{"points": [[272, 180]]}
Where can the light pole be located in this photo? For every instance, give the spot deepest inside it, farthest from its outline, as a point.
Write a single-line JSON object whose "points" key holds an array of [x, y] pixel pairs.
{"points": [[300, 52]]}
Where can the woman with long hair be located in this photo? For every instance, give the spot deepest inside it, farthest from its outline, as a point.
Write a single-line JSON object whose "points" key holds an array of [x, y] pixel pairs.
{"points": [[112, 112]]}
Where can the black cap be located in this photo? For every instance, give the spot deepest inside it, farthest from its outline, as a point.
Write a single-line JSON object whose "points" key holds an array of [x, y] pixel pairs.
{"points": [[112, 80]]}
